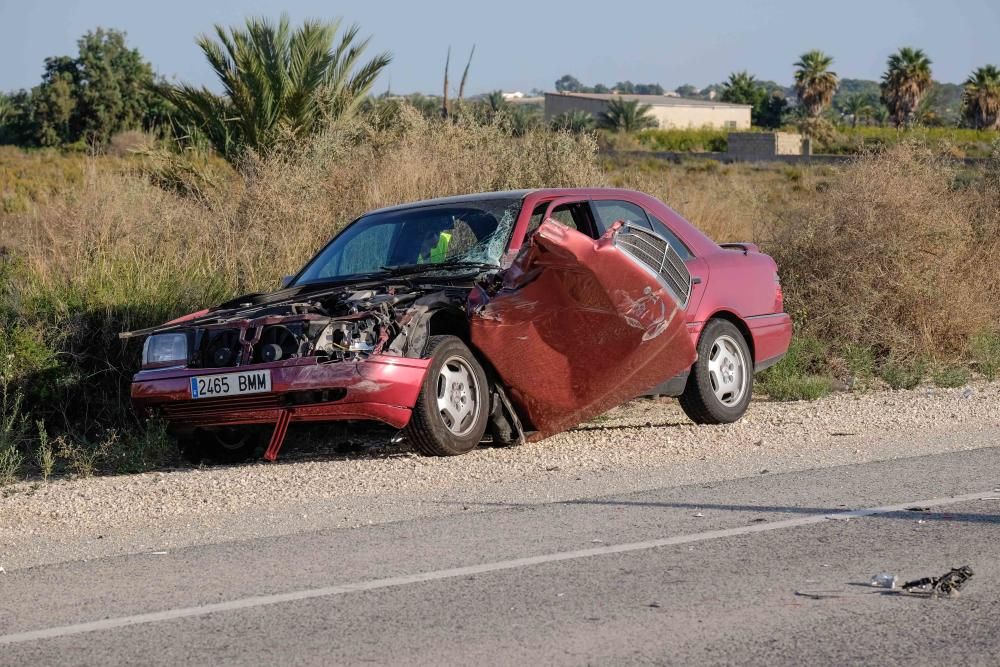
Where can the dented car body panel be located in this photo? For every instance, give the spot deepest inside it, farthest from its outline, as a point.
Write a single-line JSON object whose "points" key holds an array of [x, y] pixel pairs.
{"points": [[551, 294], [577, 328]]}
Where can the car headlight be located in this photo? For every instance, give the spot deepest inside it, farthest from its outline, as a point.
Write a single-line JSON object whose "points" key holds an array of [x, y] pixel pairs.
{"points": [[164, 349]]}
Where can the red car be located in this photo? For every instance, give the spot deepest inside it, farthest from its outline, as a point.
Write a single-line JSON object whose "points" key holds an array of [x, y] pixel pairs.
{"points": [[512, 314]]}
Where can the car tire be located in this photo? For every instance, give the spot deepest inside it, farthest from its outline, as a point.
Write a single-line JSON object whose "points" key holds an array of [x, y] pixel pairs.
{"points": [[452, 408], [720, 384], [224, 445]]}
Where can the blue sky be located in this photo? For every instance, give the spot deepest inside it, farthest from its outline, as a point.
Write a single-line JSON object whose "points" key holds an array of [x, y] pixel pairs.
{"points": [[522, 44]]}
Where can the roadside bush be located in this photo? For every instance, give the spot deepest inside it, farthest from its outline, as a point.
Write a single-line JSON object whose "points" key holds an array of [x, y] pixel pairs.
{"points": [[903, 374], [891, 258], [959, 142], [950, 376], [685, 140], [13, 424]]}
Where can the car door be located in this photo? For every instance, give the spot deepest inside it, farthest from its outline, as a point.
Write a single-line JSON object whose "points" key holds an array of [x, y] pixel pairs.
{"points": [[609, 211], [577, 326]]}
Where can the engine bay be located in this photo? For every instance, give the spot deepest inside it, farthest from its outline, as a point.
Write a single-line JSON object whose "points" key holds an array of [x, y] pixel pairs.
{"points": [[333, 325]]}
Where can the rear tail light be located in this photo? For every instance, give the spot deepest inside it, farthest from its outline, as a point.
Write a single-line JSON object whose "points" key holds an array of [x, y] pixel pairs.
{"points": [[779, 297]]}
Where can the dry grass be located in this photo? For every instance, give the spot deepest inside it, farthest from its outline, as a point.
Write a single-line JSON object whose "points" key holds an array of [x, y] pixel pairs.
{"points": [[898, 255], [726, 201], [120, 238]]}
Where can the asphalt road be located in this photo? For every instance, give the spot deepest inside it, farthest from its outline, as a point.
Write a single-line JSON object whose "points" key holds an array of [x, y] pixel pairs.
{"points": [[769, 569]]}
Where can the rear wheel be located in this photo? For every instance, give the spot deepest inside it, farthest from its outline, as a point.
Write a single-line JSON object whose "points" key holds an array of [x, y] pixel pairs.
{"points": [[719, 387], [224, 445], [453, 405]]}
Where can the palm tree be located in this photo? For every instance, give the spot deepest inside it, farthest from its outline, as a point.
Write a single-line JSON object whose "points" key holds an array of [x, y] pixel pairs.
{"points": [[626, 116], [857, 106], [881, 115], [576, 121], [981, 98], [278, 83], [906, 80], [815, 84], [742, 88], [495, 101]]}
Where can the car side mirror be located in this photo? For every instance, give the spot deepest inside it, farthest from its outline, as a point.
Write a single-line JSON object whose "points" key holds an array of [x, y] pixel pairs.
{"points": [[286, 281]]}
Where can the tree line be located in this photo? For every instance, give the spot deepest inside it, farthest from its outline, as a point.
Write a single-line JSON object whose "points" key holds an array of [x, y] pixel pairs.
{"points": [[281, 82], [903, 97]]}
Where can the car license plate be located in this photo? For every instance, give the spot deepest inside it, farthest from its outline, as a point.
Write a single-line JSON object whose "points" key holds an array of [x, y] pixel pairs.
{"points": [[231, 384]]}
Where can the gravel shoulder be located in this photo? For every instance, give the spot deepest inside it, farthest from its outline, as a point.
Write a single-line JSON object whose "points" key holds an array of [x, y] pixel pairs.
{"points": [[645, 444]]}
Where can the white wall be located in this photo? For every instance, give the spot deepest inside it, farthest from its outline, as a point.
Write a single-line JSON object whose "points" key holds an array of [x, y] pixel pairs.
{"points": [[673, 116]]}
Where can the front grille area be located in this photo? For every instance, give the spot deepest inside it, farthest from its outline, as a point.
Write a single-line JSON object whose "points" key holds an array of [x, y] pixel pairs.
{"points": [[207, 408], [655, 253]]}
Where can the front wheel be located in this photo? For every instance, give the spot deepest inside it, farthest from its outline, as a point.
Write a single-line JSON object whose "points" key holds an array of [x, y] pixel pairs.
{"points": [[453, 405], [721, 381]]}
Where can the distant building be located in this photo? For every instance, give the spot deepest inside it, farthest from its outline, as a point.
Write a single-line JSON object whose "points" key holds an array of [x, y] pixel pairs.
{"points": [[669, 111], [765, 146], [516, 95]]}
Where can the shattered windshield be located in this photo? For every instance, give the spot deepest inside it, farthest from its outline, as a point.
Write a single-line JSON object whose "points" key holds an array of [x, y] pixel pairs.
{"points": [[454, 235]]}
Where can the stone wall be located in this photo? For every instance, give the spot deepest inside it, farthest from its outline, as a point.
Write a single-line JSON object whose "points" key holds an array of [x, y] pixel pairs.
{"points": [[754, 146]]}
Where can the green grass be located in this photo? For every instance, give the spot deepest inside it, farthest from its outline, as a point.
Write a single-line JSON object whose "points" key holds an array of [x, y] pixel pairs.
{"points": [[860, 362], [963, 142], [903, 374], [845, 140], [802, 375], [985, 352], [950, 376], [685, 141]]}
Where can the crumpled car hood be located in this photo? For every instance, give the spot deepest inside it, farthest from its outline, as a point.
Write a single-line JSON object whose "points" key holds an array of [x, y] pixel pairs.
{"points": [[577, 328]]}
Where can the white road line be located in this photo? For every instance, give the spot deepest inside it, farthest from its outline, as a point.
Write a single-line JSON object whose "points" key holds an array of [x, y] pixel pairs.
{"points": [[437, 575]]}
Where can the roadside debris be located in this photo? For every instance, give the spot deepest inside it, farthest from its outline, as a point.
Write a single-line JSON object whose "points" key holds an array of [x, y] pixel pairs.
{"points": [[819, 595], [883, 580], [948, 584]]}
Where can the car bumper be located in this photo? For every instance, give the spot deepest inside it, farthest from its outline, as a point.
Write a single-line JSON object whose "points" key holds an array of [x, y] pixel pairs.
{"points": [[771, 336], [380, 388]]}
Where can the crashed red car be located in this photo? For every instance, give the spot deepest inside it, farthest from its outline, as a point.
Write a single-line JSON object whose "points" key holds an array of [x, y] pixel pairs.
{"points": [[512, 315]]}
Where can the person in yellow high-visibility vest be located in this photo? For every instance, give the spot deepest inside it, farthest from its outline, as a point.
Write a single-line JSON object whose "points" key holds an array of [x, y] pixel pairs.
{"points": [[434, 248]]}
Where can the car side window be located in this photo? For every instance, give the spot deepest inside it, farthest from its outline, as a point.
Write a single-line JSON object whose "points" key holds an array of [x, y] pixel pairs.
{"points": [[611, 211], [661, 228], [575, 215]]}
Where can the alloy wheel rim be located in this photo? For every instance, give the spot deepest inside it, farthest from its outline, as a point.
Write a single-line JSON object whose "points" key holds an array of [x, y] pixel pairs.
{"points": [[727, 370], [458, 396]]}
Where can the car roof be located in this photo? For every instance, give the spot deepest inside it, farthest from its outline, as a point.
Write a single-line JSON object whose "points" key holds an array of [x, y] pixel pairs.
{"points": [[456, 199], [503, 194]]}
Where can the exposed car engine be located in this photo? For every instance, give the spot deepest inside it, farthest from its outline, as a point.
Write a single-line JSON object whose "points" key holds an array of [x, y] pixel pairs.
{"points": [[339, 325]]}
